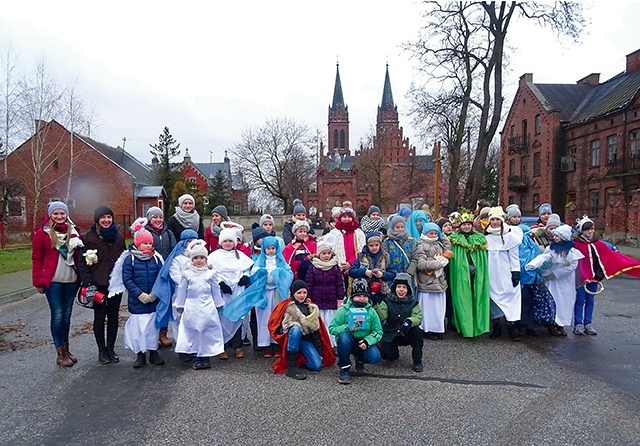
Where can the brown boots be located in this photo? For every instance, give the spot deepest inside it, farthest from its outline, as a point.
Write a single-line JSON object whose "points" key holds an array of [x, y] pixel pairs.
{"points": [[163, 340], [62, 359], [69, 355]]}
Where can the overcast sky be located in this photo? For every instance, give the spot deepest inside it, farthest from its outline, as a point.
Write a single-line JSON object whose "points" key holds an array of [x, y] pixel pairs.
{"points": [[210, 69]]}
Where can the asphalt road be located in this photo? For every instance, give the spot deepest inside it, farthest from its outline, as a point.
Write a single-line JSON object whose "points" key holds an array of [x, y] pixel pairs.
{"points": [[574, 390]]}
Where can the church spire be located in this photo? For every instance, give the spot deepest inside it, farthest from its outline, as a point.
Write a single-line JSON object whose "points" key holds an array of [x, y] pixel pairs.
{"points": [[387, 96], [338, 99]]}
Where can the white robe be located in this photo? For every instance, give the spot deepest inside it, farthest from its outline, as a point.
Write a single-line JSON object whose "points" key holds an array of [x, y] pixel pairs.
{"points": [[560, 278], [200, 330], [230, 268], [433, 306], [262, 314], [178, 266], [502, 260], [141, 333]]}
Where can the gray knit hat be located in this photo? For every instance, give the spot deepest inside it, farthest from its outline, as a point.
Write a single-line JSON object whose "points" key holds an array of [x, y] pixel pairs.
{"points": [[298, 207], [222, 210], [55, 205], [554, 220], [513, 211], [545, 208], [265, 218], [373, 208], [153, 211]]}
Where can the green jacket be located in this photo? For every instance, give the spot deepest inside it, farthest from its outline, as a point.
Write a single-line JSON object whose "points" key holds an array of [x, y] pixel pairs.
{"points": [[339, 324], [407, 308]]}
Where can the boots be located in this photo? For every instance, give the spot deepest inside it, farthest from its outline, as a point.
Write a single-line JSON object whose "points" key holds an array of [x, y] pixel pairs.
{"points": [[141, 361], [103, 357], [62, 359], [68, 353], [514, 331], [496, 330], [154, 358], [163, 340], [292, 368]]}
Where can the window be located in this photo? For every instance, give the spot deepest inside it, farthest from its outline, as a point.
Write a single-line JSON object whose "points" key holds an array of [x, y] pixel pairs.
{"points": [[512, 167], [536, 202], [145, 208], [571, 197], [634, 141], [524, 131], [513, 131], [612, 149], [56, 165], [237, 209], [538, 124], [15, 207], [595, 153], [536, 164], [523, 203], [511, 200], [593, 202], [71, 203], [523, 166], [342, 139], [161, 204], [192, 180], [335, 139], [572, 153]]}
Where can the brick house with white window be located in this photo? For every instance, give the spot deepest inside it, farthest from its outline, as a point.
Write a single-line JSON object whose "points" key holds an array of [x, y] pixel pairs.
{"points": [[577, 146]]}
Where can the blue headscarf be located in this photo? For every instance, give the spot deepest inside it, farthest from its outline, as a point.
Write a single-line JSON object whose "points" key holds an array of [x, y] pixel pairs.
{"points": [[412, 227], [255, 295], [527, 251], [164, 286], [426, 227]]}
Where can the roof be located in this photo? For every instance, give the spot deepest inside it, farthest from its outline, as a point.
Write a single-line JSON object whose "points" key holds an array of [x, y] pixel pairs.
{"points": [[149, 191], [338, 99], [609, 97], [425, 162], [140, 172], [210, 170], [564, 98], [387, 96]]}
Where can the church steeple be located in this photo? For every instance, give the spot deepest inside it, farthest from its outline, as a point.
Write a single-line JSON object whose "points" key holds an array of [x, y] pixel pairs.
{"points": [[387, 96], [338, 130]]}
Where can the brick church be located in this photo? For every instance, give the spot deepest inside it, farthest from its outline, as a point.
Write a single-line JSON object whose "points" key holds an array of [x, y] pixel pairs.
{"points": [[387, 172]]}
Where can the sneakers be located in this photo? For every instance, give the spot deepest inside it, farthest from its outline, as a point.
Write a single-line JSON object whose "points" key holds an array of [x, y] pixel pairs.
{"points": [[588, 329], [246, 341], [578, 330], [359, 366], [418, 367], [201, 363], [344, 377], [268, 353], [196, 363], [239, 353]]}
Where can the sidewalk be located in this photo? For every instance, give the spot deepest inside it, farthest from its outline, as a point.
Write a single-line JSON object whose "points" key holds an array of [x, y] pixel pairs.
{"points": [[15, 286]]}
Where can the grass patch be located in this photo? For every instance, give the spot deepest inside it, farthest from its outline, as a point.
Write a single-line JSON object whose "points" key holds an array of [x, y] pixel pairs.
{"points": [[15, 259]]}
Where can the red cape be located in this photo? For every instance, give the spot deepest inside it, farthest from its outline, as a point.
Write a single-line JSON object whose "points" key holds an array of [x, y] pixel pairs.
{"points": [[611, 262], [275, 322]]}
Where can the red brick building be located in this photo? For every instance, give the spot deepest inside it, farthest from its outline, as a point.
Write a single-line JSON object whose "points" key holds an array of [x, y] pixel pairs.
{"points": [[100, 174], [577, 146], [386, 173], [200, 175]]}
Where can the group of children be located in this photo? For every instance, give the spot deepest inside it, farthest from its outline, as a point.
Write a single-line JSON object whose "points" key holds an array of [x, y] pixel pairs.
{"points": [[400, 288]]}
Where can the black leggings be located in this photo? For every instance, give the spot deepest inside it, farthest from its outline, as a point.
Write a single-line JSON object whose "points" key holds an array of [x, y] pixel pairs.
{"points": [[108, 310]]}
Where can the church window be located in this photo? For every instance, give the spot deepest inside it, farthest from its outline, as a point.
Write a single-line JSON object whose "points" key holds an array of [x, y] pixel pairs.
{"points": [[342, 139], [335, 139]]}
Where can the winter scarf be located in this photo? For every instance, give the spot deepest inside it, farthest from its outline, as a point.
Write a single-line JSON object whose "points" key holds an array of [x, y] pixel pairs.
{"points": [[215, 229], [367, 225], [398, 237], [109, 234], [324, 266], [190, 220], [347, 227], [141, 255]]}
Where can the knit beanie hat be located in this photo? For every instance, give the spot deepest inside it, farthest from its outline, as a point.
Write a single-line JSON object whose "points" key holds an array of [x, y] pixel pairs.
{"points": [[360, 287], [443, 221], [298, 207], [198, 250], [431, 227], [496, 212], [228, 234], [323, 246], [484, 212], [298, 224], [563, 231], [545, 208], [513, 211], [297, 286], [185, 197], [554, 220], [140, 234], [346, 210], [100, 211], [373, 208], [397, 219], [374, 237], [222, 211], [335, 211], [404, 211], [259, 233], [153, 211], [265, 218], [55, 205]]}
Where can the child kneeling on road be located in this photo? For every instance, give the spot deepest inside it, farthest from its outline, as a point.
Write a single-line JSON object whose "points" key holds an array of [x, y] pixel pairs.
{"points": [[401, 315], [296, 326], [357, 329]]}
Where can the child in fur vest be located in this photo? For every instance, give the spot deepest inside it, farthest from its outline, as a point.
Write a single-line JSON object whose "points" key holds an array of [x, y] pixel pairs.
{"points": [[372, 264], [325, 284], [297, 327]]}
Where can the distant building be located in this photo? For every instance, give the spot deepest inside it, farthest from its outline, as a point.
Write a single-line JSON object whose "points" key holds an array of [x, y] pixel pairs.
{"points": [[577, 146], [200, 175], [100, 175], [387, 167]]}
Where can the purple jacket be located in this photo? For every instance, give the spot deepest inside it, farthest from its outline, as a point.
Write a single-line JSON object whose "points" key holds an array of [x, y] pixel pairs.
{"points": [[326, 288]]}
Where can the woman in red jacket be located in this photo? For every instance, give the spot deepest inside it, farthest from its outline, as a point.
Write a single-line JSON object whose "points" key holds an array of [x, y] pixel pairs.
{"points": [[54, 260]]}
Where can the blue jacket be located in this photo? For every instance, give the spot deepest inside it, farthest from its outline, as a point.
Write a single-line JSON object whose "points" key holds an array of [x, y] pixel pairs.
{"points": [[138, 277]]}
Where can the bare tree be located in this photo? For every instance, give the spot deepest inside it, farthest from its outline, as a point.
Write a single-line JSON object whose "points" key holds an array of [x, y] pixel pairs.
{"points": [[9, 188], [76, 120], [461, 50], [10, 107], [277, 157]]}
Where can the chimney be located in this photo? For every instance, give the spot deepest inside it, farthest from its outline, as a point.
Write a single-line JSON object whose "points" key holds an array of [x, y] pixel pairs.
{"points": [[39, 125], [526, 78], [633, 61], [593, 79]]}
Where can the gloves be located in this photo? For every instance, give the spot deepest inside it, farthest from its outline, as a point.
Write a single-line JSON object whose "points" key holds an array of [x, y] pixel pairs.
{"points": [[405, 327], [144, 298], [515, 278], [226, 289], [244, 281]]}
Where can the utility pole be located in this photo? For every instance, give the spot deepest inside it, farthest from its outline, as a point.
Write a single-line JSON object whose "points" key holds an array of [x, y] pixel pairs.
{"points": [[436, 162]]}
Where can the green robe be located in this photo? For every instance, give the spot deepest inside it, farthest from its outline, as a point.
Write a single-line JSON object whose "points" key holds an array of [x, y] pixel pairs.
{"points": [[470, 300]]}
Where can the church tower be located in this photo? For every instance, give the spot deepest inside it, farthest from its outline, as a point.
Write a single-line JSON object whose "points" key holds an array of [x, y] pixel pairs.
{"points": [[338, 121], [389, 134]]}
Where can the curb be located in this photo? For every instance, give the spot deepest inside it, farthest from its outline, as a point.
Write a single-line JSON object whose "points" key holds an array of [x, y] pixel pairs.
{"points": [[17, 295]]}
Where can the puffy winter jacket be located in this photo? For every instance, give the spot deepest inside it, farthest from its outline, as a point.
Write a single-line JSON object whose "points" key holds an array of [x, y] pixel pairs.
{"points": [[44, 259], [138, 277], [325, 287], [426, 265]]}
